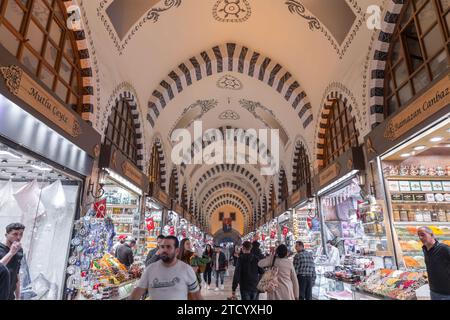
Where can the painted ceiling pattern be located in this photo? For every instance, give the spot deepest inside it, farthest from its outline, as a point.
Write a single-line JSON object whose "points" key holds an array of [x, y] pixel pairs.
{"points": [[232, 10]]}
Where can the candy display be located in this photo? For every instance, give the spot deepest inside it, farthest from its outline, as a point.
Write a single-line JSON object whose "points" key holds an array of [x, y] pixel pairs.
{"points": [[93, 273], [411, 246], [394, 284]]}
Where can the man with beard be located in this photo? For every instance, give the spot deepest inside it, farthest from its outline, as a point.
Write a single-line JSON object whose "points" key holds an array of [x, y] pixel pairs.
{"points": [[168, 278]]}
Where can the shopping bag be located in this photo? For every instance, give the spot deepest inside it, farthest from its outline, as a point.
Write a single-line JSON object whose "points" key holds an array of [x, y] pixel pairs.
{"points": [[269, 280]]}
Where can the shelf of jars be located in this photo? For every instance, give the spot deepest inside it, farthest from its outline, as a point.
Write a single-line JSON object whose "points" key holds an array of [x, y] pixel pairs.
{"points": [[419, 200]]}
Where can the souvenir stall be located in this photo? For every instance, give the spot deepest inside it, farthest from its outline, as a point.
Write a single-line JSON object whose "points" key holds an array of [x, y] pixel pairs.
{"points": [[92, 272], [286, 230], [305, 220], [159, 204], [40, 186], [354, 224], [123, 184], [153, 224], [412, 173], [269, 234]]}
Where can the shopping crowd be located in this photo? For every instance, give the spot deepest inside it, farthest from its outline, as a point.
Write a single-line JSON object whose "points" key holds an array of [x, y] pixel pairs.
{"points": [[174, 271]]}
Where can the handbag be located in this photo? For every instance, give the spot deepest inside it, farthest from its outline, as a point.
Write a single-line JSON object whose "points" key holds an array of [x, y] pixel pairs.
{"points": [[269, 280]]}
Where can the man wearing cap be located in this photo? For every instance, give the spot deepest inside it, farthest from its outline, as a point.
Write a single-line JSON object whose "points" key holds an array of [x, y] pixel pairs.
{"points": [[122, 239], [124, 252], [437, 260]]}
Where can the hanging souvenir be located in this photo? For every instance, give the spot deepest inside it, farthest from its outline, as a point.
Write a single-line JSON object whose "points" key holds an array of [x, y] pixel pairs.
{"points": [[172, 231], [272, 234], [150, 224], [285, 231]]}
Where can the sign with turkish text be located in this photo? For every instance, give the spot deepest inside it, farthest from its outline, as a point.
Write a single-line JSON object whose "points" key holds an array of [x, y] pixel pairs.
{"points": [[423, 107], [329, 173], [25, 88]]}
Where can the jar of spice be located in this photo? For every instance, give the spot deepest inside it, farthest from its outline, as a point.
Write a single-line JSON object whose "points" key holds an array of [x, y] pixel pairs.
{"points": [[419, 215], [426, 215], [404, 215], [434, 215], [411, 215], [442, 216], [396, 215]]}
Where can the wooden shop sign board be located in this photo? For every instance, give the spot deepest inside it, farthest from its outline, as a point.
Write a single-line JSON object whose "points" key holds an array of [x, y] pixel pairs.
{"points": [[425, 106], [330, 173], [20, 84]]}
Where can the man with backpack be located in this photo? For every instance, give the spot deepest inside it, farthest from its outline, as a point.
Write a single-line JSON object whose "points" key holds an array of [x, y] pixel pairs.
{"points": [[246, 274]]}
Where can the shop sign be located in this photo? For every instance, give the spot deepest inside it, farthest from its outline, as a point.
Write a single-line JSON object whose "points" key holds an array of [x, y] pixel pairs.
{"points": [[130, 171], [422, 108], [329, 173], [25, 88]]}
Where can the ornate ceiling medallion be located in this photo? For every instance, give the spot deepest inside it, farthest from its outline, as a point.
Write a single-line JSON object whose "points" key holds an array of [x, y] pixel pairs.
{"points": [[229, 82], [232, 10], [229, 115]]}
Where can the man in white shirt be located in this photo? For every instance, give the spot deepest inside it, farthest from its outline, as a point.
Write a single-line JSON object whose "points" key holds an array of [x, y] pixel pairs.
{"points": [[168, 278]]}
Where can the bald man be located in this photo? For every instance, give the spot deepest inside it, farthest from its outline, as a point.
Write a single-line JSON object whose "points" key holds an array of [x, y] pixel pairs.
{"points": [[437, 260]]}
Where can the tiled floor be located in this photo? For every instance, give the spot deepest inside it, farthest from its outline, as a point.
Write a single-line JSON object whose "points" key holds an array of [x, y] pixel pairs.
{"points": [[219, 295]]}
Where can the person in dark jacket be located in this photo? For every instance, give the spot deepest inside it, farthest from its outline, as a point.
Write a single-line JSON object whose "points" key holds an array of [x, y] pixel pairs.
{"points": [[437, 260], [4, 282], [246, 274], [208, 253], [124, 253], [153, 255], [219, 265], [256, 251]]}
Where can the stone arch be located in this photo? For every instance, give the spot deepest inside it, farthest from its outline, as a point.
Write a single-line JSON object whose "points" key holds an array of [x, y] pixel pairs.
{"points": [[230, 168], [130, 97], [324, 115], [162, 162], [378, 65], [86, 67], [230, 57], [300, 158]]}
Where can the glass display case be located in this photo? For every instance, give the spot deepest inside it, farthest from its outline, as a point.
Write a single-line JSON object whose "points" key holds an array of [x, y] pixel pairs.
{"points": [[306, 226], [122, 205], [416, 177]]}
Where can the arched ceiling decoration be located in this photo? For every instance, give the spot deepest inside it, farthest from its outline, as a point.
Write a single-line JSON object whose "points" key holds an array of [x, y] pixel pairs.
{"points": [[251, 64]]}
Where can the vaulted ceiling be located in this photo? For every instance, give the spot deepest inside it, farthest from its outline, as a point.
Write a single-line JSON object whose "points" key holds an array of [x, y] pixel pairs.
{"points": [[263, 64]]}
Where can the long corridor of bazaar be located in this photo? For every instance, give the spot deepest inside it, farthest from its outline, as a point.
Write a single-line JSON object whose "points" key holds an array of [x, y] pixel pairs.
{"points": [[184, 149]]}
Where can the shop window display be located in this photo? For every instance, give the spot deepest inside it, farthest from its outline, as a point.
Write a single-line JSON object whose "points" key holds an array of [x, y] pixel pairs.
{"points": [[122, 206], [417, 182], [45, 200], [306, 227], [356, 229], [153, 221]]}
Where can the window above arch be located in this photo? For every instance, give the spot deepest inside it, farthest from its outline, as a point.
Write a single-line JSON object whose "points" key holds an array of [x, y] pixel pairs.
{"points": [[301, 169], [35, 31], [121, 131], [419, 51], [340, 132]]}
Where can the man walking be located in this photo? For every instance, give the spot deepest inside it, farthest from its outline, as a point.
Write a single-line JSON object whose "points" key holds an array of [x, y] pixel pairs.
{"points": [[168, 278], [246, 274], [124, 253], [305, 269], [154, 254], [437, 260], [220, 265], [11, 255]]}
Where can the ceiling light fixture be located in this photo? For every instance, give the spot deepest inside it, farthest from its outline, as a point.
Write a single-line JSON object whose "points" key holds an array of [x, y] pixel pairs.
{"points": [[436, 139], [405, 155], [10, 154], [419, 148], [41, 168]]}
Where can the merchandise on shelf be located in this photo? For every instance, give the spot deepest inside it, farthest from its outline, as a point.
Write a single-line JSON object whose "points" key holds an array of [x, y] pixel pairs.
{"points": [[419, 192], [394, 284], [93, 272], [307, 228]]}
